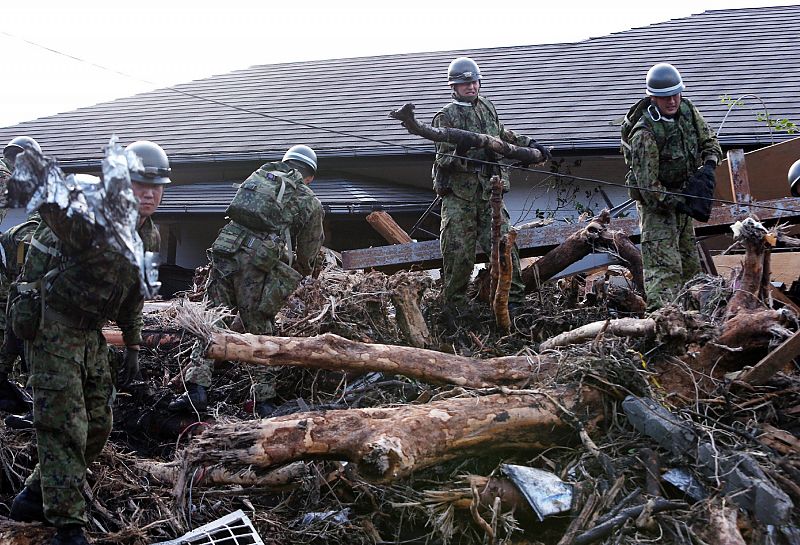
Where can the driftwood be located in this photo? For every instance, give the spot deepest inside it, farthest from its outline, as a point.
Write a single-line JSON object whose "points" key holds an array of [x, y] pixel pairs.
{"points": [[501, 258], [722, 527], [463, 138], [654, 506], [595, 234], [407, 292], [384, 224], [332, 352], [281, 478], [391, 443]]}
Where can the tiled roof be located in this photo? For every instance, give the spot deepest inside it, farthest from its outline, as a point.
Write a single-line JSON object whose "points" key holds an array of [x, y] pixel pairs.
{"points": [[337, 197], [562, 94]]}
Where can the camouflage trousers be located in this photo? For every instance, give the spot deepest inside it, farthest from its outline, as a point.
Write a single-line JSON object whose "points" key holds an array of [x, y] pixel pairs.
{"points": [[669, 254], [72, 395], [466, 223], [257, 295]]}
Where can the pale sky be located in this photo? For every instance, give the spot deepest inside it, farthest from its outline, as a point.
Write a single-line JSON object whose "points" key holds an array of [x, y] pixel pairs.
{"points": [[168, 42]]}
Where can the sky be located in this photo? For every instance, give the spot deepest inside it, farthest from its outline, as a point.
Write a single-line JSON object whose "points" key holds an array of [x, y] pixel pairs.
{"points": [[59, 56]]}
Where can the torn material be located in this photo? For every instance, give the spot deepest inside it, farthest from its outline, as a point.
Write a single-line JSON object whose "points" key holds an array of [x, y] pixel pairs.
{"points": [[107, 206]]}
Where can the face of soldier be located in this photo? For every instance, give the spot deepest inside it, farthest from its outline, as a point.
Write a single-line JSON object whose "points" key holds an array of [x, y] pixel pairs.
{"points": [[149, 197], [308, 179], [468, 90], [668, 105]]}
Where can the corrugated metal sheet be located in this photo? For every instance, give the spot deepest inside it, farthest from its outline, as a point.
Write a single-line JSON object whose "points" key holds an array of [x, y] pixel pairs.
{"points": [[337, 197], [563, 94]]}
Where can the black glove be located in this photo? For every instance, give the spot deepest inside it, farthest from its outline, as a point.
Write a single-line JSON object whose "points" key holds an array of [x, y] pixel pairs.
{"points": [[130, 366], [546, 156]]}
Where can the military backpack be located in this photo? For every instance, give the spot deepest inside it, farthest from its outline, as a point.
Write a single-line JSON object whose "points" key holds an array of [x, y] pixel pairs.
{"points": [[259, 203]]}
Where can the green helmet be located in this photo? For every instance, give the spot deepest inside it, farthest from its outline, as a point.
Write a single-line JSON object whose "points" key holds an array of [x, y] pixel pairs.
{"points": [[17, 145], [664, 80], [155, 163], [302, 153], [463, 70], [794, 178]]}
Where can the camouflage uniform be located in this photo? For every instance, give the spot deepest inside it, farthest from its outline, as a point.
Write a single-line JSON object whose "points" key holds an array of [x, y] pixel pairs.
{"points": [[71, 378], [466, 212], [245, 277], [664, 154], [15, 242], [5, 175], [150, 235]]}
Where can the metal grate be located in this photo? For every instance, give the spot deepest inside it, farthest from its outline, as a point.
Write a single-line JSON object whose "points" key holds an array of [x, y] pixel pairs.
{"points": [[232, 529]]}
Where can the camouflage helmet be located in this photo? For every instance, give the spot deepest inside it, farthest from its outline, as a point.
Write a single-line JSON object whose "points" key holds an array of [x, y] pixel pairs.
{"points": [[794, 178], [463, 70], [17, 145], [664, 80], [155, 163], [302, 153]]}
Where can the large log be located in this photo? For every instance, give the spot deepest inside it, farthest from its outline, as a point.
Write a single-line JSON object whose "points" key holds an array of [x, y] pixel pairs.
{"points": [[596, 234], [391, 443], [405, 115], [335, 353]]}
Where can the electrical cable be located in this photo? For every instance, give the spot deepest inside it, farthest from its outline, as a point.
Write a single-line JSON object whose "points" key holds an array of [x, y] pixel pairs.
{"points": [[377, 140]]}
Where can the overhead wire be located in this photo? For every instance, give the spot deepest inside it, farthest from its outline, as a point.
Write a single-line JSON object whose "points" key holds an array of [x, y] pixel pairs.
{"points": [[372, 139]]}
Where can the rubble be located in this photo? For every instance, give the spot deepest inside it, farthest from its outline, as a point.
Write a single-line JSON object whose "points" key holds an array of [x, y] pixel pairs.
{"points": [[380, 438]]}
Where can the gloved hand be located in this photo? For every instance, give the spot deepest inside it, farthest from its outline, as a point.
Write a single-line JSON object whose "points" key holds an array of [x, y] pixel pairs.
{"points": [[546, 156], [707, 171], [130, 367], [462, 149]]}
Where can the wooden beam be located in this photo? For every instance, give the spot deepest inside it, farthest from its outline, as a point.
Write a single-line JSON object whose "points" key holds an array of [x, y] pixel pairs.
{"points": [[772, 362], [740, 182], [767, 167], [540, 240]]}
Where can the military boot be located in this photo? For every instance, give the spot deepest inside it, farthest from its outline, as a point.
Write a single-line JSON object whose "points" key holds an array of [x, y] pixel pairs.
{"points": [[194, 399], [69, 535], [28, 505]]}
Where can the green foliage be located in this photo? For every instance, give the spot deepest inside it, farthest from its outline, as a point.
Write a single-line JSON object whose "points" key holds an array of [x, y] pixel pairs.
{"points": [[778, 125]]}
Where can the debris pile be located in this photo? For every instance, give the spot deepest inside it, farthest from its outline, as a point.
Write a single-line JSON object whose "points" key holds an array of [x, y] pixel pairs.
{"points": [[581, 424]]}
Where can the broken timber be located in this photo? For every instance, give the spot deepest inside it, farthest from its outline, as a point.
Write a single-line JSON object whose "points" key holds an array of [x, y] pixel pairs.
{"points": [[540, 240], [387, 443]]}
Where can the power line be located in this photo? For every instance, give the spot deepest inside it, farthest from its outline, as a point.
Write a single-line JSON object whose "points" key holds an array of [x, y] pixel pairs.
{"points": [[376, 140]]}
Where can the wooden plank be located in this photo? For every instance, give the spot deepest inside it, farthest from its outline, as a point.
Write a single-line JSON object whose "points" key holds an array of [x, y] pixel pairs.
{"points": [[767, 168], [539, 240], [772, 362], [740, 182], [784, 266]]}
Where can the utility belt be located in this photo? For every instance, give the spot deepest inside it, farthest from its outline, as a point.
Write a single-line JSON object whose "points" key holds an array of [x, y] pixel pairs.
{"points": [[266, 249], [76, 321]]}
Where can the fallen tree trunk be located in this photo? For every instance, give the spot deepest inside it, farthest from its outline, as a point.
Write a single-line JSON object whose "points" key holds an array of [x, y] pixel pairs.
{"points": [[623, 327], [332, 352], [581, 243], [405, 115], [391, 443]]}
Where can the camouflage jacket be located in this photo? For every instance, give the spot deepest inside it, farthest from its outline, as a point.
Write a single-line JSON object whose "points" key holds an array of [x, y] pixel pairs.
{"points": [[83, 282], [666, 152], [150, 235], [303, 212], [5, 175], [461, 175]]}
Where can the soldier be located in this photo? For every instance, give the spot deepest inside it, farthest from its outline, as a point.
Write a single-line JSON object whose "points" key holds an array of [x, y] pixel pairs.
{"points": [[83, 287], [669, 144], [148, 188], [461, 178], [258, 259], [14, 243], [10, 153]]}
